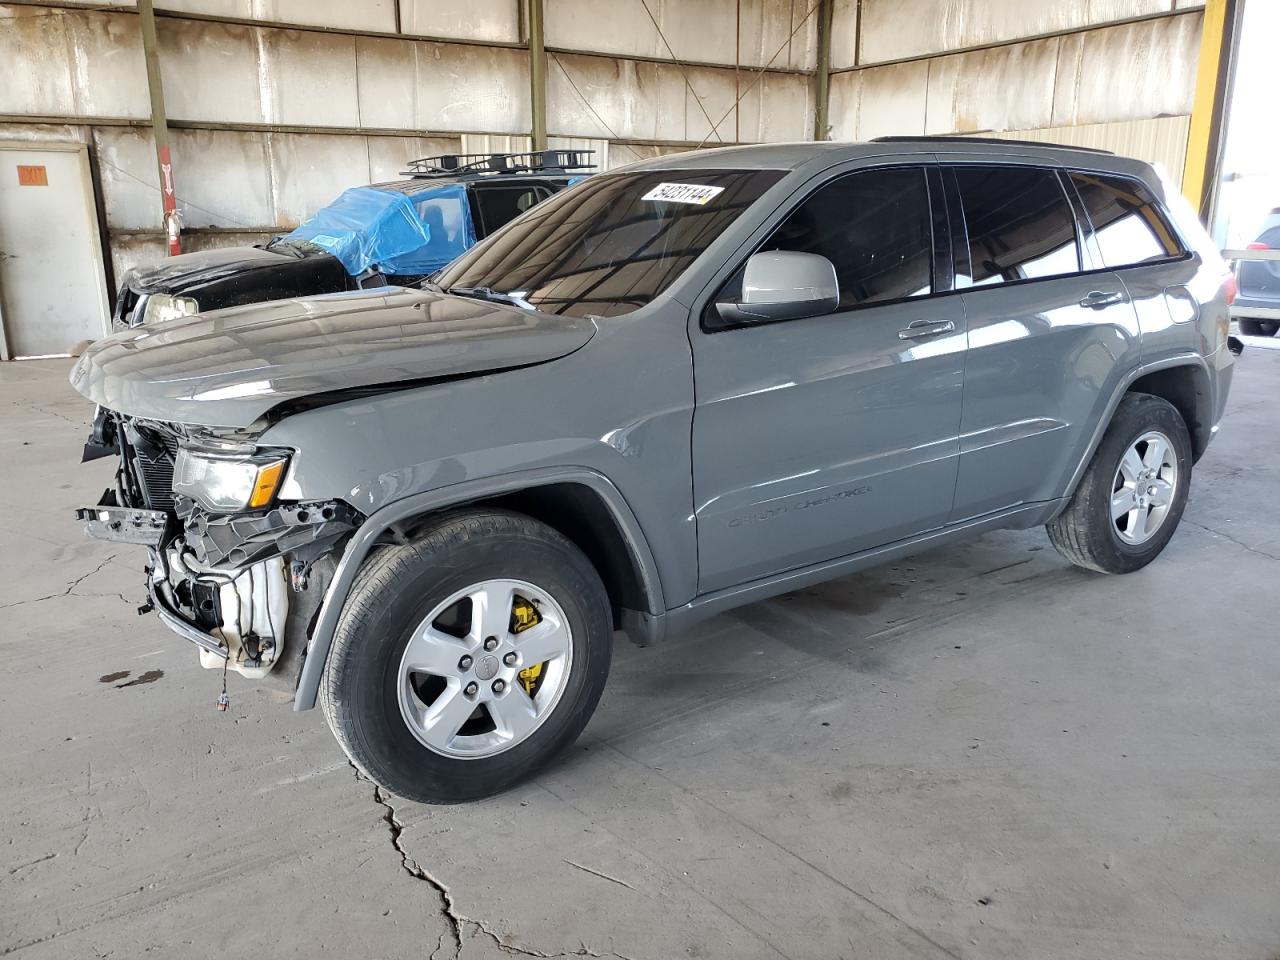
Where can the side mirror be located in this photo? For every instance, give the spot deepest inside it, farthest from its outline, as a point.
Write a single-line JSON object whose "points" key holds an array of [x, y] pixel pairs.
{"points": [[783, 285]]}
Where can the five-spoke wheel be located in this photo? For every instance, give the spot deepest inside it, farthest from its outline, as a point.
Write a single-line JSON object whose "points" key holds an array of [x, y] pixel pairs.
{"points": [[1129, 501], [1144, 486], [467, 658], [485, 668]]}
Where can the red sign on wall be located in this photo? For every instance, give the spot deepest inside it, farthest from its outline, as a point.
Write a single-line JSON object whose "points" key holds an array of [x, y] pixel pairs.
{"points": [[33, 175]]}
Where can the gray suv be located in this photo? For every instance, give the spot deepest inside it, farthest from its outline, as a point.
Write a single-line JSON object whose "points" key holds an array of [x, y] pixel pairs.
{"points": [[688, 384]]}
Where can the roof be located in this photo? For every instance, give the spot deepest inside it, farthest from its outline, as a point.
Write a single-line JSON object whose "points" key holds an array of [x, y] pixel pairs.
{"points": [[410, 186], [940, 141], [825, 153]]}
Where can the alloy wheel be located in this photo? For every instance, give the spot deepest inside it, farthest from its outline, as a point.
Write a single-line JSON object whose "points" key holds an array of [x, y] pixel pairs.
{"points": [[1144, 487], [485, 668]]}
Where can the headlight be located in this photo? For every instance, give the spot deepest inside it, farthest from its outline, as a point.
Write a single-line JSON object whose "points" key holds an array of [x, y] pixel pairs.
{"points": [[227, 482], [161, 307]]}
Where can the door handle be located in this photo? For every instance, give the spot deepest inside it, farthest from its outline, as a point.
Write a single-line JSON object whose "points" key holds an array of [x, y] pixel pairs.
{"points": [[1097, 299], [925, 328]]}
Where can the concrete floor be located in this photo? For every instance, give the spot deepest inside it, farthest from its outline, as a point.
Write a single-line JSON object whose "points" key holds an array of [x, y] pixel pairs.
{"points": [[979, 753]]}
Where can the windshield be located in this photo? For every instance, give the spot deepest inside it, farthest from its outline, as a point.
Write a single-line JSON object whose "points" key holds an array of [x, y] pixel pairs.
{"points": [[612, 243]]}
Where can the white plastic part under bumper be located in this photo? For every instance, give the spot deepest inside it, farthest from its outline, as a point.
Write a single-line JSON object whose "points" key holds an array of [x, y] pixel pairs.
{"points": [[252, 606]]}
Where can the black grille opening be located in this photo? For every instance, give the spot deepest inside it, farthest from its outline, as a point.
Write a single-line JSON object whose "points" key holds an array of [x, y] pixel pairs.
{"points": [[154, 468]]}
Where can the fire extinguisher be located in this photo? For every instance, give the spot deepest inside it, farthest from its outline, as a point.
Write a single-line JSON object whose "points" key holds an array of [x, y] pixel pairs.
{"points": [[173, 231]]}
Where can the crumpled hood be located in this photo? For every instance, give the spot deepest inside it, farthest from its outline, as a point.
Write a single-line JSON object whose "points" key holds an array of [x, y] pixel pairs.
{"points": [[229, 367], [192, 269]]}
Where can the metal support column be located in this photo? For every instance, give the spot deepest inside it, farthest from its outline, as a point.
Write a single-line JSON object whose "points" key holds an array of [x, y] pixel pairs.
{"points": [[822, 76], [1206, 137], [160, 127], [537, 75]]}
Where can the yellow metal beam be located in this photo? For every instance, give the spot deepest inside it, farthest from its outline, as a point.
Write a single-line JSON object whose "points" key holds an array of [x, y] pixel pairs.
{"points": [[1207, 108]]}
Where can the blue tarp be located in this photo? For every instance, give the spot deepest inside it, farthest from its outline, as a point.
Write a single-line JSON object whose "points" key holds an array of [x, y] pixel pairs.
{"points": [[394, 232]]}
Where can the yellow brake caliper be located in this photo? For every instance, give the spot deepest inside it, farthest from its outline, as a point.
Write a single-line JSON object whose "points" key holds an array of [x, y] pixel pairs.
{"points": [[523, 616]]}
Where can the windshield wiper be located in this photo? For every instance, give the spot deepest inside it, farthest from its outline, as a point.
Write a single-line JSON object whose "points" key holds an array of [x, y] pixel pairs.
{"points": [[491, 295]]}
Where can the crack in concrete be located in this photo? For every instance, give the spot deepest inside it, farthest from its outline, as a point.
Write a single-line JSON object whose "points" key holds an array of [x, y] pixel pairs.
{"points": [[71, 589], [32, 863], [36, 408], [1227, 536], [462, 928]]}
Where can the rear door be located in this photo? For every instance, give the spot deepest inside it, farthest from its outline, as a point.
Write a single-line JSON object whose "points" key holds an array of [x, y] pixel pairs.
{"points": [[1048, 335], [821, 437], [1130, 234]]}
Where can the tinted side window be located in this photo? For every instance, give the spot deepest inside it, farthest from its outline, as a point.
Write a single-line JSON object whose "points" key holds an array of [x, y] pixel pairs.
{"points": [[498, 205], [1020, 224], [1127, 223], [874, 227]]}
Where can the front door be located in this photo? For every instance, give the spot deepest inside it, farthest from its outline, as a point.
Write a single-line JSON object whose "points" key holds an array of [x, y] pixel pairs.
{"points": [[818, 438], [53, 290]]}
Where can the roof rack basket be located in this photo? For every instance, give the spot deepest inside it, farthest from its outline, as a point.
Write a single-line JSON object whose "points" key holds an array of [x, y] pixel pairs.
{"points": [[537, 161]]}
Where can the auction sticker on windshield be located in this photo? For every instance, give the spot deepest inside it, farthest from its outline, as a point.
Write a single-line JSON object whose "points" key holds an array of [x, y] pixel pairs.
{"points": [[696, 193]]}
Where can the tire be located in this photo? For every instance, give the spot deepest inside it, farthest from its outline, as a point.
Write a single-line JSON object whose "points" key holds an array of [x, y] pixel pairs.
{"points": [[1258, 328], [1085, 532], [369, 693]]}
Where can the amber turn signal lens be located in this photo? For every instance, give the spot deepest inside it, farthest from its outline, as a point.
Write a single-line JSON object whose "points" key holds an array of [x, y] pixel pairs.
{"points": [[264, 488]]}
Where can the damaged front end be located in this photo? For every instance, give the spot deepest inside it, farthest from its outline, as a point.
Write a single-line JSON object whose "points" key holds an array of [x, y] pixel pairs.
{"points": [[235, 566]]}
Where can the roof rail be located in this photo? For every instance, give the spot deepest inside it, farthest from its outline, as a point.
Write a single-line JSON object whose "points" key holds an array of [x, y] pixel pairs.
{"points": [[476, 164], [1008, 142]]}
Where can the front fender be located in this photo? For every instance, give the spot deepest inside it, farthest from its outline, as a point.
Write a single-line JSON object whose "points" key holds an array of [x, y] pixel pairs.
{"points": [[382, 520]]}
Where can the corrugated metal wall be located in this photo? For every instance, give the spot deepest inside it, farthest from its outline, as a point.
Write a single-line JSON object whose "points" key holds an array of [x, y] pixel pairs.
{"points": [[276, 105], [1116, 74], [1159, 140]]}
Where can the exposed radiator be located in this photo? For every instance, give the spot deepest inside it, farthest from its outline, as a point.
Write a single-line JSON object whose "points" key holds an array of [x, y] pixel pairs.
{"points": [[156, 476]]}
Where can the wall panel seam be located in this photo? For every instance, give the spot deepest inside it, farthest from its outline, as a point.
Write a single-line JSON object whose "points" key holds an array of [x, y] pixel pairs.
{"points": [[1031, 38]]}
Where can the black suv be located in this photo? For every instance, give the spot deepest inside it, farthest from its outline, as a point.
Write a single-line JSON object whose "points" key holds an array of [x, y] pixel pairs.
{"points": [[370, 236]]}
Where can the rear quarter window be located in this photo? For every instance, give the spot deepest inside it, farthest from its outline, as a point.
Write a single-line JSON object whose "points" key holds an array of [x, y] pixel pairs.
{"points": [[1128, 224]]}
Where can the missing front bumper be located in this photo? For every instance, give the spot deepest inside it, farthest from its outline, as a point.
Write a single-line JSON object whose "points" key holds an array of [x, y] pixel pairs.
{"points": [[124, 524], [172, 618]]}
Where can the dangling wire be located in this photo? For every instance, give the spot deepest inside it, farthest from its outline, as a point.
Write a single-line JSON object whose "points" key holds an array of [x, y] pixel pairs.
{"points": [[223, 700]]}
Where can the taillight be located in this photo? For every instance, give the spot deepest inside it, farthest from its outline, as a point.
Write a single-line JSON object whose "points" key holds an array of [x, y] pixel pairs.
{"points": [[1256, 246], [1229, 288]]}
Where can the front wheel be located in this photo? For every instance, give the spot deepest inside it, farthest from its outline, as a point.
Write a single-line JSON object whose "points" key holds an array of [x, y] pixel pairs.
{"points": [[465, 660], [1133, 493]]}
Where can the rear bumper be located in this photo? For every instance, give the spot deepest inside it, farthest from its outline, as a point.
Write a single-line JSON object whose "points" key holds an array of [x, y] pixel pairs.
{"points": [[1255, 308]]}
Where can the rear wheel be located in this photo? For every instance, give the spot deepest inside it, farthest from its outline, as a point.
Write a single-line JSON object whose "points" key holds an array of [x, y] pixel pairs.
{"points": [[1259, 328], [465, 660], [1132, 495]]}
